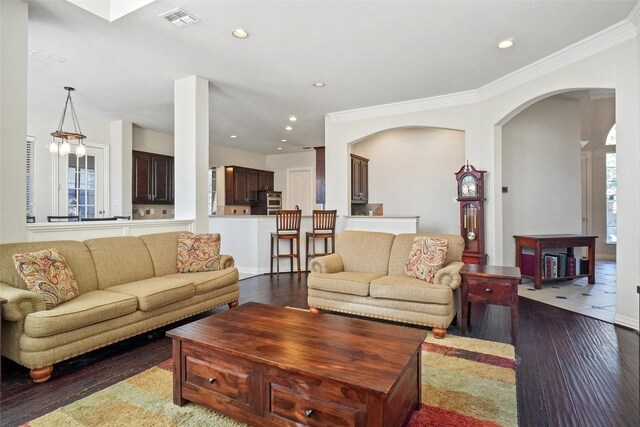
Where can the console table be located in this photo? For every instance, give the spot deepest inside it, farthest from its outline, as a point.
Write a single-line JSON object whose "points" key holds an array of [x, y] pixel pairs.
{"points": [[555, 241]]}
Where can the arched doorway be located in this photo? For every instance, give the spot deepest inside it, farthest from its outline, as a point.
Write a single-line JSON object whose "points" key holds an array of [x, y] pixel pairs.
{"points": [[555, 179]]}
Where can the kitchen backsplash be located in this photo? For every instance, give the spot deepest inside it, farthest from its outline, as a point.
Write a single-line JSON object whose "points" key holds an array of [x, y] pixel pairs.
{"points": [[153, 211]]}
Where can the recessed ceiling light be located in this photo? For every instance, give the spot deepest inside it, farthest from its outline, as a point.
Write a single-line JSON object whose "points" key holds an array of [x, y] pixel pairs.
{"points": [[234, 136], [505, 44], [318, 84], [240, 33], [289, 128], [293, 118], [279, 148], [283, 140]]}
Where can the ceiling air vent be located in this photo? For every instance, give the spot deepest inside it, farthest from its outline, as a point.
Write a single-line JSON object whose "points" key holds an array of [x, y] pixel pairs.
{"points": [[46, 57], [179, 17]]}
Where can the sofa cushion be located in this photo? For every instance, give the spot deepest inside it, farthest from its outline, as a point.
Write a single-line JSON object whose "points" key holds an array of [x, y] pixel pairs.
{"points": [[402, 246], [365, 251], [157, 291], [46, 273], [198, 252], [120, 260], [207, 281], [75, 253], [404, 288], [85, 310], [426, 257], [345, 282], [163, 248]]}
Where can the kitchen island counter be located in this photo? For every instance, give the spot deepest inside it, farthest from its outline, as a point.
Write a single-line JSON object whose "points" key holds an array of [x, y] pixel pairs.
{"points": [[247, 237]]}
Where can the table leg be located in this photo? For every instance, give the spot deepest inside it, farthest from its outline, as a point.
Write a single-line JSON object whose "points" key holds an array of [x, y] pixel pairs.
{"points": [[537, 279], [177, 373], [464, 309], [592, 262], [514, 316]]}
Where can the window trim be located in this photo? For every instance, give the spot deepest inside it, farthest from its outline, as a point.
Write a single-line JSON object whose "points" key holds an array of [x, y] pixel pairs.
{"points": [[30, 175]]}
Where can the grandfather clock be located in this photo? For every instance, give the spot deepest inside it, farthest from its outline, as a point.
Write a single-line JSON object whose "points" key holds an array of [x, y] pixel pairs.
{"points": [[471, 198]]}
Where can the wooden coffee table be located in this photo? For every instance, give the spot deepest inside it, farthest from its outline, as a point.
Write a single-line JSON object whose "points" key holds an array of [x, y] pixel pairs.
{"points": [[269, 365]]}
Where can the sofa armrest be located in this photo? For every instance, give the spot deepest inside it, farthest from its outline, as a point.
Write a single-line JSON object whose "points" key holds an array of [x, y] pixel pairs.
{"points": [[331, 263], [226, 261], [449, 275], [19, 302]]}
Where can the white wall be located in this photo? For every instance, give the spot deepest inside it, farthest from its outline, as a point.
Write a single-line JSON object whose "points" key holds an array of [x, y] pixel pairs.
{"points": [[226, 156], [152, 141], [411, 173], [279, 163], [608, 60], [13, 119], [541, 168]]}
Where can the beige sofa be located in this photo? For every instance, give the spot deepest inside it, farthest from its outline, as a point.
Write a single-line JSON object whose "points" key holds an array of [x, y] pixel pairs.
{"points": [[366, 277], [128, 285]]}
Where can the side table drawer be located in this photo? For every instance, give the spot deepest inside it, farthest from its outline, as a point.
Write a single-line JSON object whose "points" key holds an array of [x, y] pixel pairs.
{"points": [[294, 407], [490, 291], [219, 377]]}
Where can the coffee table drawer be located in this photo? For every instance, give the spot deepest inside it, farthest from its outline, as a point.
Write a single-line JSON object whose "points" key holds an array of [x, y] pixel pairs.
{"points": [[290, 405], [219, 377]]}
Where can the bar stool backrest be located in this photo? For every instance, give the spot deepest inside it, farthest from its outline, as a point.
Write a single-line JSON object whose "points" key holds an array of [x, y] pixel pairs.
{"points": [[324, 220], [288, 221]]}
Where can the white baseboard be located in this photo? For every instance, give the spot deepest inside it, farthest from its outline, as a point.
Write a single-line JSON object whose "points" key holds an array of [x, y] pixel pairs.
{"points": [[627, 322]]}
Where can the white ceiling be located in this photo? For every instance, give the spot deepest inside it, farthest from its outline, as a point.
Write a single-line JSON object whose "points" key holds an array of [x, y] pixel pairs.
{"points": [[367, 52]]}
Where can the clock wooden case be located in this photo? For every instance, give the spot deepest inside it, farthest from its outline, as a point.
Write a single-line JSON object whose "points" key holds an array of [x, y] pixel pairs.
{"points": [[471, 198]]}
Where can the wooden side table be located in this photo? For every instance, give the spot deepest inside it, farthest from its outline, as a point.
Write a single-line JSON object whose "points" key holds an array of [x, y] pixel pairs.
{"points": [[489, 284]]}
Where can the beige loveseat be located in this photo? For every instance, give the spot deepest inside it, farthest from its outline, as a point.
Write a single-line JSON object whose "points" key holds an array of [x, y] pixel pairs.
{"points": [[366, 277], [128, 285]]}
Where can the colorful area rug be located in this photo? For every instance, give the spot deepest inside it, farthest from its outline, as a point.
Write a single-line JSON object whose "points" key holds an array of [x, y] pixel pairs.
{"points": [[465, 382]]}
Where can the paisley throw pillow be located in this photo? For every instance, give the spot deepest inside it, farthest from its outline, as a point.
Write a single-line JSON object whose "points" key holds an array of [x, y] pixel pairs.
{"points": [[428, 255], [46, 272], [198, 252]]}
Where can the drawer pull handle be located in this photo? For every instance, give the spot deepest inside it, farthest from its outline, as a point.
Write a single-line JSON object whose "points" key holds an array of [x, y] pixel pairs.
{"points": [[308, 413], [488, 290], [212, 380]]}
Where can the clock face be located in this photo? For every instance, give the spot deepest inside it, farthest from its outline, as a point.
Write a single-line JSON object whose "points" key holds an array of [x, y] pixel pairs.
{"points": [[469, 186]]}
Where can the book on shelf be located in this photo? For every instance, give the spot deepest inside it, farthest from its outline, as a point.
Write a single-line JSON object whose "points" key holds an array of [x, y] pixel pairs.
{"points": [[528, 262]]}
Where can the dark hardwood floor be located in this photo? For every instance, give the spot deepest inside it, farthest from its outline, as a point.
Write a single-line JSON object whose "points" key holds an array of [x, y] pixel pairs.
{"points": [[572, 370]]}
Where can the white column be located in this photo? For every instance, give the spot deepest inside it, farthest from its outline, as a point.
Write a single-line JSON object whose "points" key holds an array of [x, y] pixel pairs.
{"points": [[191, 116], [13, 120], [121, 169]]}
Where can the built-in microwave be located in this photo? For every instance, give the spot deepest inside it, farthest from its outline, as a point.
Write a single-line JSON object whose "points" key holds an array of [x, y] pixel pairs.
{"points": [[274, 200]]}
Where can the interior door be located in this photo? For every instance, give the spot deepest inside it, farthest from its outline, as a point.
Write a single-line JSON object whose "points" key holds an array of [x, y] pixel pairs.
{"points": [[300, 189], [81, 183]]}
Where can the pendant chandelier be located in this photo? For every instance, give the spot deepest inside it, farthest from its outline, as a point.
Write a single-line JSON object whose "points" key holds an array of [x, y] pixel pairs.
{"points": [[60, 139]]}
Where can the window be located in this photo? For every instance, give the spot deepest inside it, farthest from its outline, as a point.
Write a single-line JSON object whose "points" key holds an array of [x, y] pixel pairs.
{"points": [[81, 186], [31, 207], [611, 186]]}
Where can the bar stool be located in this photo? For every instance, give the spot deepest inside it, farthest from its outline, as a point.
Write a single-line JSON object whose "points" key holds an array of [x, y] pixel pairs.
{"points": [[287, 228], [324, 227]]}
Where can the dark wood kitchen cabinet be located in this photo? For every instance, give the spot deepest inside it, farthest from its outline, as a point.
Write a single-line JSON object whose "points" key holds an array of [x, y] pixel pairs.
{"points": [[242, 184], [359, 179], [152, 178], [265, 180]]}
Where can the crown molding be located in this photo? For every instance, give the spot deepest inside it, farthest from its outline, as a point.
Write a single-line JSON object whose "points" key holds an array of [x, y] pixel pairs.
{"points": [[598, 42], [634, 15], [406, 107], [618, 33]]}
